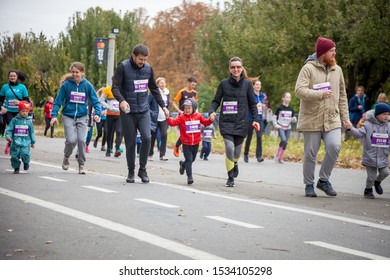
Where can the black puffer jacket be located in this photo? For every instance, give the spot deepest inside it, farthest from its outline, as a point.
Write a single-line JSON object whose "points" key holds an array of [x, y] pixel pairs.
{"points": [[241, 92], [124, 86]]}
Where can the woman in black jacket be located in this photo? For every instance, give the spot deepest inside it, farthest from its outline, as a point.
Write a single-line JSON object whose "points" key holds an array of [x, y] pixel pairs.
{"points": [[236, 95]]}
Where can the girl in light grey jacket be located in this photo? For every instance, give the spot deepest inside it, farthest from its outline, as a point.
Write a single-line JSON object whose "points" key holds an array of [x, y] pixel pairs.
{"points": [[375, 133]]}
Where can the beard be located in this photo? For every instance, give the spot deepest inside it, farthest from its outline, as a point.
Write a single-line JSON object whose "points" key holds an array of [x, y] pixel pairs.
{"points": [[330, 60]]}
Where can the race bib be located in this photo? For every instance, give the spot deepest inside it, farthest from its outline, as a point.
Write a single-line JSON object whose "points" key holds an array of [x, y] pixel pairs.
{"points": [[229, 107], [77, 97], [322, 86], [115, 105], [285, 118], [193, 126], [140, 85], [207, 133], [21, 130], [380, 140], [260, 110], [12, 104]]}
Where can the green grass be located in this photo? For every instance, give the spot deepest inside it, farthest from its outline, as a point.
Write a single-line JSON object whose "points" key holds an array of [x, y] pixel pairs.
{"points": [[349, 157]]}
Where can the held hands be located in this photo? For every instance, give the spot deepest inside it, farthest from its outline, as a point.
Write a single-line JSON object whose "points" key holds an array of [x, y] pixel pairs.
{"points": [[256, 125], [327, 94], [347, 124], [53, 121], [212, 116]]}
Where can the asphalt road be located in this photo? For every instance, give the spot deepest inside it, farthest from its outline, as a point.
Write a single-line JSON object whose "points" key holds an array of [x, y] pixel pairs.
{"points": [[47, 213]]}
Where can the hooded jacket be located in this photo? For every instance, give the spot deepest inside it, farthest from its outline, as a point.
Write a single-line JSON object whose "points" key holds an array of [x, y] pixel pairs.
{"points": [[315, 112], [184, 120], [231, 90], [373, 156], [73, 109], [18, 124]]}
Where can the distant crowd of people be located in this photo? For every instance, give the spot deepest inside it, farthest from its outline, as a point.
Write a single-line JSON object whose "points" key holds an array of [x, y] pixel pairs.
{"points": [[136, 109]]}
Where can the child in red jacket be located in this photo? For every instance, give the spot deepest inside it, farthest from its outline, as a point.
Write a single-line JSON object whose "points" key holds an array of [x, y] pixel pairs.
{"points": [[190, 134]]}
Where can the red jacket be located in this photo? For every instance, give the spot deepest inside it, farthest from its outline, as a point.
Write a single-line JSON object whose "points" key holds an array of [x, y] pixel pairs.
{"points": [[47, 109], [190, 133]]}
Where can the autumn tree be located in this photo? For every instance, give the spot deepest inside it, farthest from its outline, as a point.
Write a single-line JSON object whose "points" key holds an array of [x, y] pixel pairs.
{"points": [[172, 45]]}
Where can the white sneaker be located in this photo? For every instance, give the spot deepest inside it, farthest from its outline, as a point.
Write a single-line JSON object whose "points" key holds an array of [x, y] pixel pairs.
{"points": [[65, 163], [82, 170], [150, 158]]}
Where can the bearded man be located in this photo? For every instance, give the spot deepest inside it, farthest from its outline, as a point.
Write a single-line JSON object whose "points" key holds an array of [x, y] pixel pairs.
{"points": [[323, 108]]}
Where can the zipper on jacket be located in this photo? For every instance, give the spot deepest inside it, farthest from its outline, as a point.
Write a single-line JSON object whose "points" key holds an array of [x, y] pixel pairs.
{"points": [[75, 113]]}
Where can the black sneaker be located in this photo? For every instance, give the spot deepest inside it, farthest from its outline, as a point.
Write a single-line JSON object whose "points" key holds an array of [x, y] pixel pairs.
{"points": [[378, 187], [368, 193], [230, 182], [309, 191], [246, 159], [190, 180], [108, 154], [95, 144], [130, 177], [182, 167], [235, 170], [16, 171], [260, 159], [26, 165], [143, 175], [326, 187]]}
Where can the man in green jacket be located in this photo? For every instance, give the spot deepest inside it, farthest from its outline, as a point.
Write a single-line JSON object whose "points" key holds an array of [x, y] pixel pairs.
{"points": [[323, 108]]}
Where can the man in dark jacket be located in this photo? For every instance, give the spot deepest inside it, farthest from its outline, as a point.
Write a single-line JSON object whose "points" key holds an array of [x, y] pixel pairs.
{"points": [[132, 79], [358, 105]]}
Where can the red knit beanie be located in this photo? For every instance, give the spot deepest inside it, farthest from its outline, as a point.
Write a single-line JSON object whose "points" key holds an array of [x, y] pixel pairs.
{"points": [[323, 45], [24, 105]]}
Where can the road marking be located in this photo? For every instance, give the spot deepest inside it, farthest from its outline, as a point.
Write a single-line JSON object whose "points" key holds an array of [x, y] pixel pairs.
{"points": [[288, 208], [234, 222], [52, 179], [156, 203], [99, 189], [346, 250], [126, 230]]}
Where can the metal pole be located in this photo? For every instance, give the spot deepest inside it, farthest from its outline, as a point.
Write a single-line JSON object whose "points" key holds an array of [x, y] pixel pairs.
{"points": [[110, 59]]}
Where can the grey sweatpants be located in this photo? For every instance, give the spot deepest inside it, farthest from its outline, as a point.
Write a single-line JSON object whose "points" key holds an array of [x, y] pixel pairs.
{"points": [[75, 134], [312, 142], [372, 175]]}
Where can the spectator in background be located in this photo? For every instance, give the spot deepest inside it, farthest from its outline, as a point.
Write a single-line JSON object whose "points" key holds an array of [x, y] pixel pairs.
{"points": [[161, 121], [260, 98], [181, 96], [47, 110], [358, 105], [382, 98]]}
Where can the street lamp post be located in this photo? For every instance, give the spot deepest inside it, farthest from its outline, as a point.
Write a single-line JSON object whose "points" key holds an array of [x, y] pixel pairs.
{"points": [[111, 56]]}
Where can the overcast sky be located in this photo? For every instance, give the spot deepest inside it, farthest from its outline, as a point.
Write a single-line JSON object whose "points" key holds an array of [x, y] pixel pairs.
{"points": [[52, 16]]}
